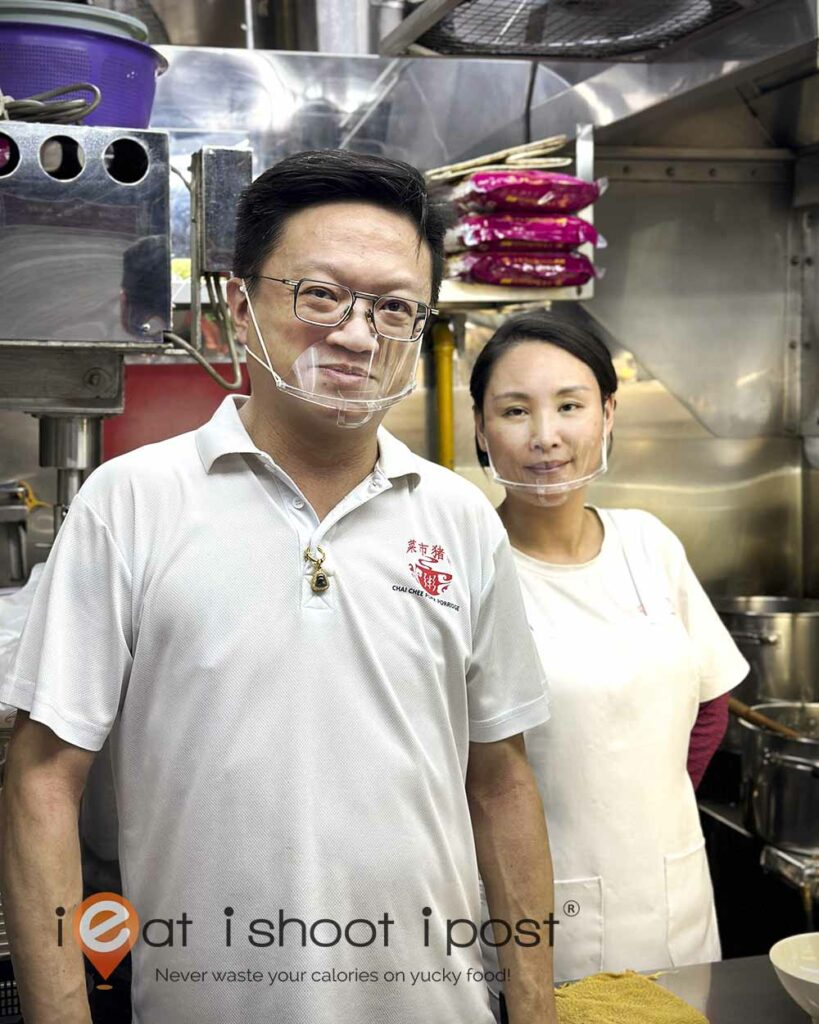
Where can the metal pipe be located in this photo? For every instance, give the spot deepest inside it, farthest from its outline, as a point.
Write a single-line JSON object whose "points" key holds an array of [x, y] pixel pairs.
{"points": [[69, 482], [385, 17], [443, 347], [72, 445], [249, 26]]}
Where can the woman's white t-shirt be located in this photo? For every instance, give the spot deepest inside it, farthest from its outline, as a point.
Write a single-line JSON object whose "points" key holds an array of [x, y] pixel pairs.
{"points": [[602, 589]]}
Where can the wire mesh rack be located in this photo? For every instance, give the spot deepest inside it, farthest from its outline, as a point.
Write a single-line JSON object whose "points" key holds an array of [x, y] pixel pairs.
{"points": [[577, 29], [9, 999]]}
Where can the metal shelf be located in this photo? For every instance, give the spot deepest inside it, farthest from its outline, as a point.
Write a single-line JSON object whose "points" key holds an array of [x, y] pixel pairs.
{"points": [[461, 295]]}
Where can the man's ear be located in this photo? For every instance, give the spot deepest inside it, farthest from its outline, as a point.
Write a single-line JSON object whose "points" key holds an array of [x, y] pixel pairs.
{"points": [[237, 300]]}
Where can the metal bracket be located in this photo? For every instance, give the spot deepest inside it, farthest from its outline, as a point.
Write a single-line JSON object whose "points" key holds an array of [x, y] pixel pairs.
{"points": [[792, 356], [66, 379], [420, 21], [695, 166], [809, 340]]}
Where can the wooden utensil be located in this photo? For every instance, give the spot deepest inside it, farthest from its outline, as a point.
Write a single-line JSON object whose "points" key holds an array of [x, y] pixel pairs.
{"points": [[537, 163], [541, 146], [741, 710]]}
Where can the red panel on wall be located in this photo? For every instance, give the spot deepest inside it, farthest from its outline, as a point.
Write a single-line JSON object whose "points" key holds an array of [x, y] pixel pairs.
{"points": [[162, 400]]}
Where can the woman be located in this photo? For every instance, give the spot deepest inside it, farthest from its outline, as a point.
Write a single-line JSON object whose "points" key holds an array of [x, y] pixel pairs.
{"points": [[637, 660]]}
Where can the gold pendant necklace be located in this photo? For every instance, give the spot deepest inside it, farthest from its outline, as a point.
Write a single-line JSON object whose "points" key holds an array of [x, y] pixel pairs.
{"points": [[319, 581]]}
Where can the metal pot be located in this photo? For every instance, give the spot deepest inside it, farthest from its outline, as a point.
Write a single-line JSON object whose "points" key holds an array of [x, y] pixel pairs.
{"points": [[779, 637], [780, 778]]}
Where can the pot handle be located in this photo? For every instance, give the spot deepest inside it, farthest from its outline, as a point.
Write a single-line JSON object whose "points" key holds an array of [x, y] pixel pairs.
{"points": [[762, 639], [771, 757]]}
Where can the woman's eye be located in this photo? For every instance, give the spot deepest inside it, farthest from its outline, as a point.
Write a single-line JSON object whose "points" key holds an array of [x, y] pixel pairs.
{"points": [[570, 406], [514, 412]]}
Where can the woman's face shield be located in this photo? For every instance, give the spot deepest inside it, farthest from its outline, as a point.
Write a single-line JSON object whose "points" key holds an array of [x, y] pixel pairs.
{"points": [[544, 426], [375, 365], [548, 481]]}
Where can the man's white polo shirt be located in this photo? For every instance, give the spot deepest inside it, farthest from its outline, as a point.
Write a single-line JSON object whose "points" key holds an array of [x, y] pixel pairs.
{"points": [[278, 753]]}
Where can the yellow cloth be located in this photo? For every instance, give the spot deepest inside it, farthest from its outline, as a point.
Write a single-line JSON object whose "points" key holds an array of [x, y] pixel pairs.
{"points": [[626, 998]]}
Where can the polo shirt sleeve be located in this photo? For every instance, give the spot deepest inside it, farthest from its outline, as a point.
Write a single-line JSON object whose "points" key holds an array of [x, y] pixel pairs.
{"points": [[720, 665], [506, 689], [74, 655]]}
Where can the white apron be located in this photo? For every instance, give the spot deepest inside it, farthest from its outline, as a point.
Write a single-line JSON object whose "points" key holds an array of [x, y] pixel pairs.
{"points": [[632, 885]]}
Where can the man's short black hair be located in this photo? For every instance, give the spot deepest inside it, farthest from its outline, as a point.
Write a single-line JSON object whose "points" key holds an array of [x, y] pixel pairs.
{"points": [[325, 176]]}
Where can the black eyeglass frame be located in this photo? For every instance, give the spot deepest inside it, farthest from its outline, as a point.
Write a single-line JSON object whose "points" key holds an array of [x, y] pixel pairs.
{"points": [[296, 285]]}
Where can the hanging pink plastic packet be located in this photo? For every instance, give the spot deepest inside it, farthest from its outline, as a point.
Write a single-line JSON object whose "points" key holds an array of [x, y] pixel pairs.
{"points": [[526, 269], [498, 232], [524, 191]]}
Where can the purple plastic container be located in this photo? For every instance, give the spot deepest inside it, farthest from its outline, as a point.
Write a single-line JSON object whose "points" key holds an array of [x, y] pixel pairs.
{"points": [[35, 58]]}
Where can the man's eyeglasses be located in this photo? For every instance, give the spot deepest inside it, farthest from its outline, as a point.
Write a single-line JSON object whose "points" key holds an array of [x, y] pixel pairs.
{"points": [[324, 304]]}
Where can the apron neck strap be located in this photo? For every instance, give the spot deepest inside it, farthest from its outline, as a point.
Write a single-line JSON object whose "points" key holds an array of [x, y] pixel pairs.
{"points": [[640, 568]]}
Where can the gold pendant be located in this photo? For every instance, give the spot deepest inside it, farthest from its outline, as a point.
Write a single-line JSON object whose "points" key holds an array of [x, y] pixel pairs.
{"points": [[319, 581]]}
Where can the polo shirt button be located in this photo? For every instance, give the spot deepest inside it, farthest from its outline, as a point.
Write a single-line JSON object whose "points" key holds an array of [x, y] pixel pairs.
{"points": [[298, 503], [375, 483]]}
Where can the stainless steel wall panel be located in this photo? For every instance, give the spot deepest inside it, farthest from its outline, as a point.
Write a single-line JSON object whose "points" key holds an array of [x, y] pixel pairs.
{"points": [[696, 286], [736, 505]]}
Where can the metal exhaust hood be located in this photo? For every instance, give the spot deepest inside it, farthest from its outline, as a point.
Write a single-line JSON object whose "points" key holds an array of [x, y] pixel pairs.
{"points": [[575, 29], [726, 49]]}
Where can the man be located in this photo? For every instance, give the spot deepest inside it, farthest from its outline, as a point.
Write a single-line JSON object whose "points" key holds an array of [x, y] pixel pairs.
{"points": [[308, 648]]}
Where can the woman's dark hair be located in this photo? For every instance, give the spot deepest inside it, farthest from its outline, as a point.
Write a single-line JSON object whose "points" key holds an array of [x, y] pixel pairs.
{"points": [[325, 176], [578, 341]]}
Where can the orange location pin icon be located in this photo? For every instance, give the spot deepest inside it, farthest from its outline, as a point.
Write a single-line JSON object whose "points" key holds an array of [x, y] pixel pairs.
{"points": [[106, 926]]}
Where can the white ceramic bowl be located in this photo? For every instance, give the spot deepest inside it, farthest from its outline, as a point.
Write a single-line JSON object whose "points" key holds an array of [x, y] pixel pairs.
{"points": [[796, 961]]}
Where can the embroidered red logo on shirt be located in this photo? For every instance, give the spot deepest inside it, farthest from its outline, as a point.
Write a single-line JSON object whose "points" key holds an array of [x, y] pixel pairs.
{"points": [[427, 570]]}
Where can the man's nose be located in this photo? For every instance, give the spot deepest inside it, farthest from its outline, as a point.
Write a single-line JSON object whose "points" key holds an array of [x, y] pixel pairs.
{"points": [[357, 333]]}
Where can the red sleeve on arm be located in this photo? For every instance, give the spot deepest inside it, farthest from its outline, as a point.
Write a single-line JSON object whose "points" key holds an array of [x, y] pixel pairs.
{"points": [[706, 736]]}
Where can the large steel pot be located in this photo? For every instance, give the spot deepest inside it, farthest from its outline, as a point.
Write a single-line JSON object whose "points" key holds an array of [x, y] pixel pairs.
{"points": [[780, 778], [779, 637]]}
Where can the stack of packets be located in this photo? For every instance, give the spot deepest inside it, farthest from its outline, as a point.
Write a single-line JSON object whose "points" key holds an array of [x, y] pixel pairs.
{"points": [[518, 227], [626, 998]]}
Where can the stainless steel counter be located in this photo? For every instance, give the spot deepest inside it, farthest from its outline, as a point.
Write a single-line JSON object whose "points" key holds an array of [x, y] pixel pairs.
{"points": [[743, 991]]}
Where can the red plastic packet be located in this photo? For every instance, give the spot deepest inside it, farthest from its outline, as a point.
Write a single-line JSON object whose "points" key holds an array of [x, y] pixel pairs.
{"points": [[493, 233], [522, 191], [522, 269]]}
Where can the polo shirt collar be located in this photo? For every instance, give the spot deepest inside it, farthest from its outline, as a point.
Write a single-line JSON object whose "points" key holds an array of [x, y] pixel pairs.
{"points": [[225, 434]]}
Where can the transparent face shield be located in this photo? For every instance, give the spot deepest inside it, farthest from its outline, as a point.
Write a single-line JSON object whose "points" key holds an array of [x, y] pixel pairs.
{"points": [[372, 369], [545, 473]]}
